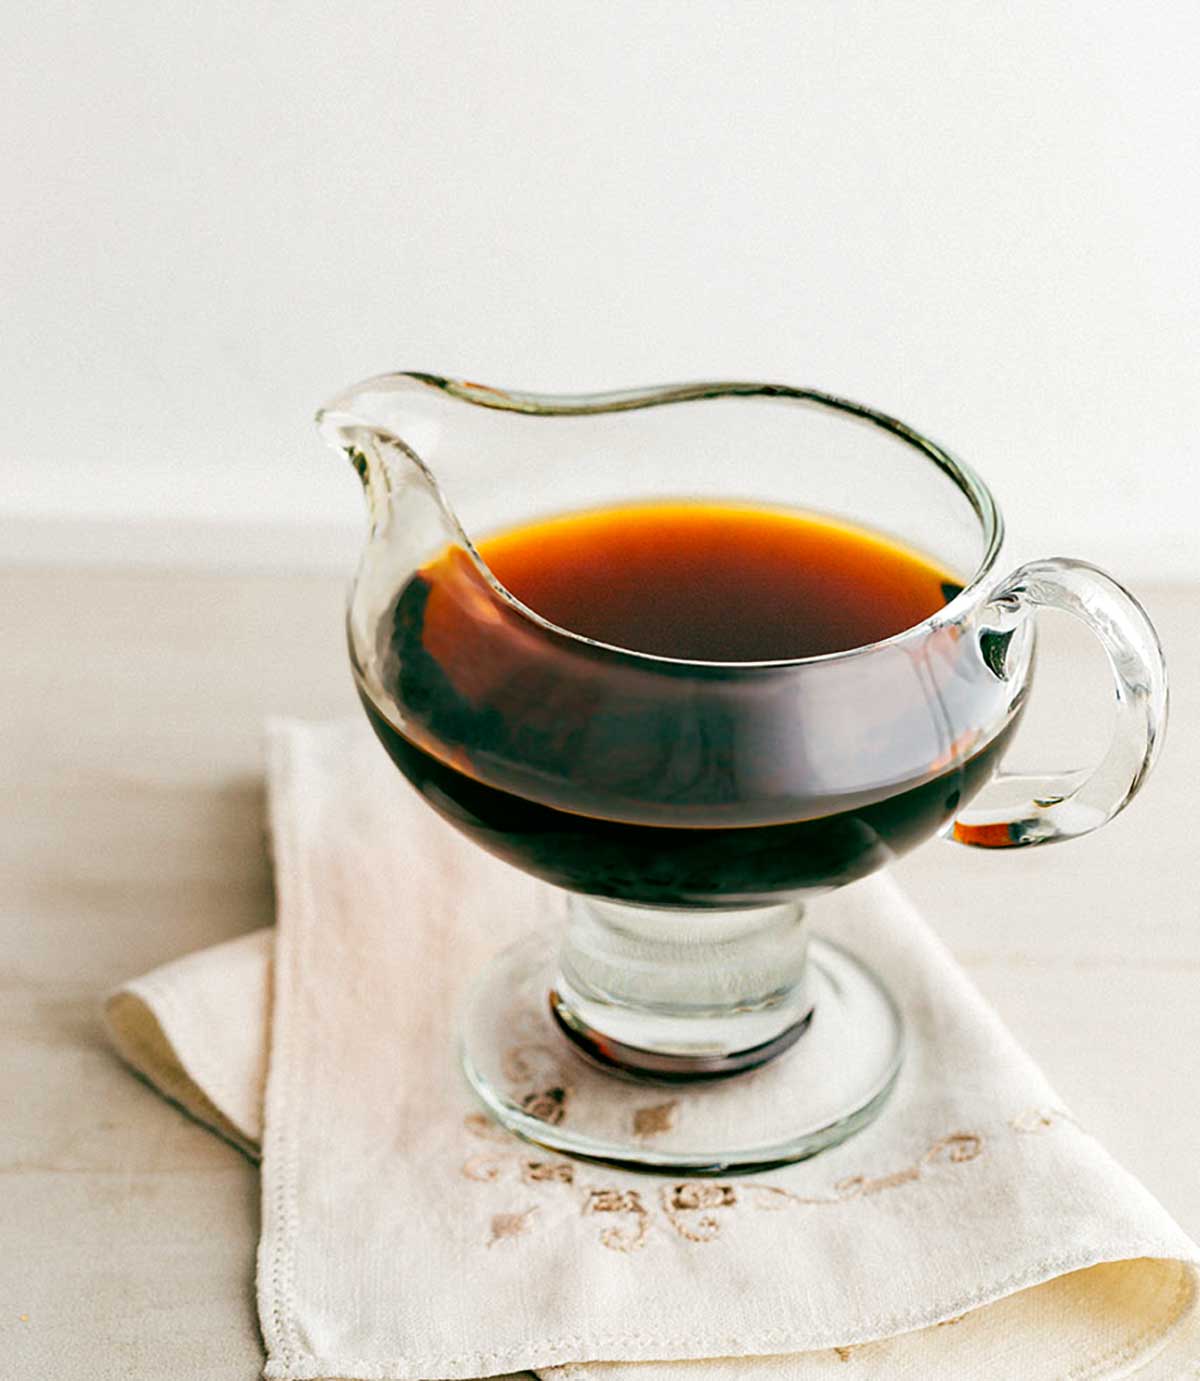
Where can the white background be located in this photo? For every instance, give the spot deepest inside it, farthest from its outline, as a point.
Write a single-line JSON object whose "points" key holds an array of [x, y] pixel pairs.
{"points": [[979, 216]]}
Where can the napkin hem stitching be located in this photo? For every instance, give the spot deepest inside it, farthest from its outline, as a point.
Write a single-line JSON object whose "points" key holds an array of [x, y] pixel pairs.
{"points": [[763, 1342], [277, 1319]]}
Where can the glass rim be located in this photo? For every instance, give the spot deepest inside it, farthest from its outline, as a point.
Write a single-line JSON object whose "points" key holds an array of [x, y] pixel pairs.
{"points": [[968, 482]]}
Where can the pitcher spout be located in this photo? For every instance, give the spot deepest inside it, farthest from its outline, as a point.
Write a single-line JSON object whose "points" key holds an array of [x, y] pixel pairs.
{"points": [[378, 426], [387, 427]]}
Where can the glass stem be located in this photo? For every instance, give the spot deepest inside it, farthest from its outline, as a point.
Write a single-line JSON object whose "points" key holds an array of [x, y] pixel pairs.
{"points": [[682, 994]]}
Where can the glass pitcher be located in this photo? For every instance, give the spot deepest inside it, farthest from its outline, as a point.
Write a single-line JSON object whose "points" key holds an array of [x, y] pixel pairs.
{"points": [[691, 807]]}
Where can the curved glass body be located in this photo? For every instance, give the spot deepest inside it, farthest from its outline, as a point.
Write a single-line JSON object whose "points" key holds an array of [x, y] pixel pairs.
{"points": [[643, 778]]}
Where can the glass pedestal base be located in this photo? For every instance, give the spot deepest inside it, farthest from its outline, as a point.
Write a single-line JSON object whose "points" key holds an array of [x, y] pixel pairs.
{"points": [[579, 1096]]}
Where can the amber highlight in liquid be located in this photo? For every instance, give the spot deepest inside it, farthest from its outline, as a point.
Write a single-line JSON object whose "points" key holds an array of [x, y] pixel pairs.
{"points": [[717, 582], [658, 783]]}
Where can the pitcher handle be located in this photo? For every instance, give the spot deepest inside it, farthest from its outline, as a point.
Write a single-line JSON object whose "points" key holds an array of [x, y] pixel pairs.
{"points": [[1066, 805]]}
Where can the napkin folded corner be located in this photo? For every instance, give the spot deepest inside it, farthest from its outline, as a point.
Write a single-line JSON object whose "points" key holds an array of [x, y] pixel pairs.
{"points": [[196, 1029]]}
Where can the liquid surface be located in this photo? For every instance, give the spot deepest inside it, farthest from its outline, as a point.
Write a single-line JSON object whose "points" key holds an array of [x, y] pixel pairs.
{"points": [[674, 784], [717, 582]]}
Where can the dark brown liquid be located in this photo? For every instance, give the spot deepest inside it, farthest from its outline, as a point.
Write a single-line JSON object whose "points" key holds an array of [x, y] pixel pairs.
{"points": [[649, 782]]}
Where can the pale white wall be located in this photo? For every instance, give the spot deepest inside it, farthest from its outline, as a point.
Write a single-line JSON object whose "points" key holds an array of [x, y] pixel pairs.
{"points": [[979, 216]]}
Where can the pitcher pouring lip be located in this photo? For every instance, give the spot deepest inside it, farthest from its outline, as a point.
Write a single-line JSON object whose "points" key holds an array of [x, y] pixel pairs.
{"points": [[406, 432], [368, 424], [444, 461]]}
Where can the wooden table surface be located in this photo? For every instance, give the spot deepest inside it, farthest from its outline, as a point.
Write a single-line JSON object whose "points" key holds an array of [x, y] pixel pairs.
{"points": [[131, 832]]}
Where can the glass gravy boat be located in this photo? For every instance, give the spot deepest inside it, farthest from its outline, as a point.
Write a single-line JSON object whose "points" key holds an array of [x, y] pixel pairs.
{"points": [[690, 807]]}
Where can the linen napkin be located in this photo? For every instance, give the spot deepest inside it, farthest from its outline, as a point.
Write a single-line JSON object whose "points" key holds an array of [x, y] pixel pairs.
{"points": [[973, 1230]]}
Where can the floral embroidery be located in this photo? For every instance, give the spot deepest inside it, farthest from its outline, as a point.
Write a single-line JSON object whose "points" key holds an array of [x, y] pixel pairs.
{"points": [[547, 1105], [547, 1171], [655, 1119], [482, 1126], [537, 1067], [957, 1149], [693, 1209], [1035, 1120], [623, 1201], [689, 1207], [506, 1225], [532, 1062], [483, 1166]]}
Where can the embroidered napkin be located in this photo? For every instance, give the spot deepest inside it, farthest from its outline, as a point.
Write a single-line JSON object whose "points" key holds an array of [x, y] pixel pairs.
{"points": [[404, 1236]]}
